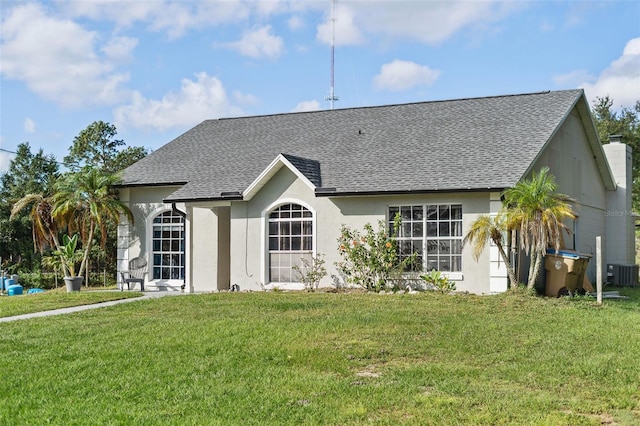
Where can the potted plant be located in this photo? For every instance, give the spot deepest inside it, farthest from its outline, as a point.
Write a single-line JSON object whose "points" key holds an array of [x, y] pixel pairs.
{"points": [[69, 255]]}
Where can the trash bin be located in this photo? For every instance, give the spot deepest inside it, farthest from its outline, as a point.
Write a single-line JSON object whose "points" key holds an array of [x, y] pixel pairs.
{"points": [[7, 282], [14, 290], [565, 272]]}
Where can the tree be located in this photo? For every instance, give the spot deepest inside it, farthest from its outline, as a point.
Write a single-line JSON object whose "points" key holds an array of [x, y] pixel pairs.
{"points": [[85, 202], [537, 212], [490, 228], [96, 146], [625, 123], [28, 173], [44, 226]]}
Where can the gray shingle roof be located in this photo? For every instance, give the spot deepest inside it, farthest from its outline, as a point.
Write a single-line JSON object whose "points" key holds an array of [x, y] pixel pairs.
{"points": [[465, 144]]}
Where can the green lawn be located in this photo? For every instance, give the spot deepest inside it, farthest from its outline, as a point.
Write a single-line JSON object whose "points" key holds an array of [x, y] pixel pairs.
{"points": [[326, 359], [56, 299]]}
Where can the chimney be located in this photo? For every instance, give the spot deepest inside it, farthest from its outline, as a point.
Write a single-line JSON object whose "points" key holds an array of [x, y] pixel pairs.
{"points": [[619, 217]]}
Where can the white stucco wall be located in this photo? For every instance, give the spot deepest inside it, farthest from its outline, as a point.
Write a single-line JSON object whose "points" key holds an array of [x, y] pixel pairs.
{"points": [[248, 228], [134, 240], [620, 219], [571, 160]]}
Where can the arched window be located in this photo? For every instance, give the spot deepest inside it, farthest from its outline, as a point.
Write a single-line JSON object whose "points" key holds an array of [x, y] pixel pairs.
{"points": [[290, 240], [168, 246]]}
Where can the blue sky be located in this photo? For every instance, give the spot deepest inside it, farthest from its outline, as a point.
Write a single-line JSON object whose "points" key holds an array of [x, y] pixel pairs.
{"points": [[157, 68]]}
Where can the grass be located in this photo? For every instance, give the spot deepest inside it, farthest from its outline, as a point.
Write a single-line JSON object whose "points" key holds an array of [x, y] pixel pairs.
{"points": [[327, 359], [56, 299]]}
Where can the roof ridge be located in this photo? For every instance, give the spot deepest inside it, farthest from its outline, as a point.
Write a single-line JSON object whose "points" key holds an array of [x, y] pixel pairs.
{"points": [[543, 92]]}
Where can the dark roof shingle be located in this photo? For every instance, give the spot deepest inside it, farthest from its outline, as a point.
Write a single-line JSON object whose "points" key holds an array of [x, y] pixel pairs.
{"points": [[465, 144]]}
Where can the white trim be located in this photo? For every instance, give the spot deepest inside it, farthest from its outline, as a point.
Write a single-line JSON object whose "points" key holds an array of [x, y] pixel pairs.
{"points": [[269, 172], [264, 255], [149, 249]]}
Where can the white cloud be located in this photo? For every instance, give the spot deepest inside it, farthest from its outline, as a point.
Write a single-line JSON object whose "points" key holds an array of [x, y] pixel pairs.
{"points": [[202, 99], [120, 49], [259, 43], [306, 106], [57, 59], [402, 75], [346, 29], [620, 80], [295, 23], [29, 125], [174, 18], [423, 21]]}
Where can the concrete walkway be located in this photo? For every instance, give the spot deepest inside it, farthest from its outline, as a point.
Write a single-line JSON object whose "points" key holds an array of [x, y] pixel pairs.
{"points": [[146, 295]]}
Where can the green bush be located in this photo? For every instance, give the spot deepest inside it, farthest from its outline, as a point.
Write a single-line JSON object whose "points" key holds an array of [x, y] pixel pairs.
{"points": [[370, 259]]}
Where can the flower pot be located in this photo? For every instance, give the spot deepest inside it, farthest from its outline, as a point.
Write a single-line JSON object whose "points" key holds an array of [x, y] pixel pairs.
{"points": [[73, 283]]}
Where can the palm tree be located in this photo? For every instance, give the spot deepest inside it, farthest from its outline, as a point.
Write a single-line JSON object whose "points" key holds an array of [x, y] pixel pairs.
{"points": [[490, 228], [44, 226], [537, 212], [85, 202]]}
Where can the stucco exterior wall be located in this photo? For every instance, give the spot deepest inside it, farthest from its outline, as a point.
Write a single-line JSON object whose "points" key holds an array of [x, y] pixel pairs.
{"points": [[134, 239], [571, 160], [248, 250]]}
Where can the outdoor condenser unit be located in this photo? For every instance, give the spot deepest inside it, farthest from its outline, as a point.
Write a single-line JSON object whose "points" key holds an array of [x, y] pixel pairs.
{"points": [[626, 275]]}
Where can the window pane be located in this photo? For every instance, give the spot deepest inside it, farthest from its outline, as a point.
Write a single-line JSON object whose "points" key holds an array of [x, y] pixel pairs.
{"points": [[307, 243], [445, 246], [456, 263], [307, 227], [417, 229], [444, 213], [296, 243], [456, 229], [166, 245], [456, 211], [432, 212], [393, 211], [432, 262], [444, 229], [432, 247], [273, 228], [273, 243], [296, 228], [417, 213], [406, 230], [432, 229], [405, 213], [445, 264]]}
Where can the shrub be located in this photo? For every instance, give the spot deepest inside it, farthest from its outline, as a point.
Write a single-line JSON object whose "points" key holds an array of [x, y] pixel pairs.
{"points": [[370, 258], [311, 272], [436, 280]]}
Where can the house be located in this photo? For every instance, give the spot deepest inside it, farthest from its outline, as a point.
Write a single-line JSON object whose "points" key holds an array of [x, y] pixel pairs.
{"points": [[239, 201]]}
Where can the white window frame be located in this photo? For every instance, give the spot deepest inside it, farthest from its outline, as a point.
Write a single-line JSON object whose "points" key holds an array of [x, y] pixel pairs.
{"points": [[150, 225], [265, 246], [425, 238]]}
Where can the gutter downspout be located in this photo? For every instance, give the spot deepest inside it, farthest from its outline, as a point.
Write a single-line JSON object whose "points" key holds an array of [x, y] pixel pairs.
{"points": [[184, 218]]}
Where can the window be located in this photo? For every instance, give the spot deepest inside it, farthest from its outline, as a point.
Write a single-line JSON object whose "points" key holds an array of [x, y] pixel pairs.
{"points": [[433, 232], [168, 246], [290, 240]]}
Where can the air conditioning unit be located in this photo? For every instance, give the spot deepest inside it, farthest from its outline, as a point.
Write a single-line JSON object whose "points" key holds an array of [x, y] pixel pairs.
{"points": [[625, 275]]}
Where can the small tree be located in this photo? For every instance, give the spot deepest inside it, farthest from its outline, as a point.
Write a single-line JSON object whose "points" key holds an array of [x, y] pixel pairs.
{"points": [[537, 212], [371, 258], [490, 228], [311, 271]]}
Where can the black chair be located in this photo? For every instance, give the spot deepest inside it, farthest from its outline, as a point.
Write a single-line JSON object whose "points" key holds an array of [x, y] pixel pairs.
{"points": [[135, 274]]}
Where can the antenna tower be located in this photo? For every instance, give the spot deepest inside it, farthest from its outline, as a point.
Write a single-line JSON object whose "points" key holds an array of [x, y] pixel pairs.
{"points": [[332, 96]]}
